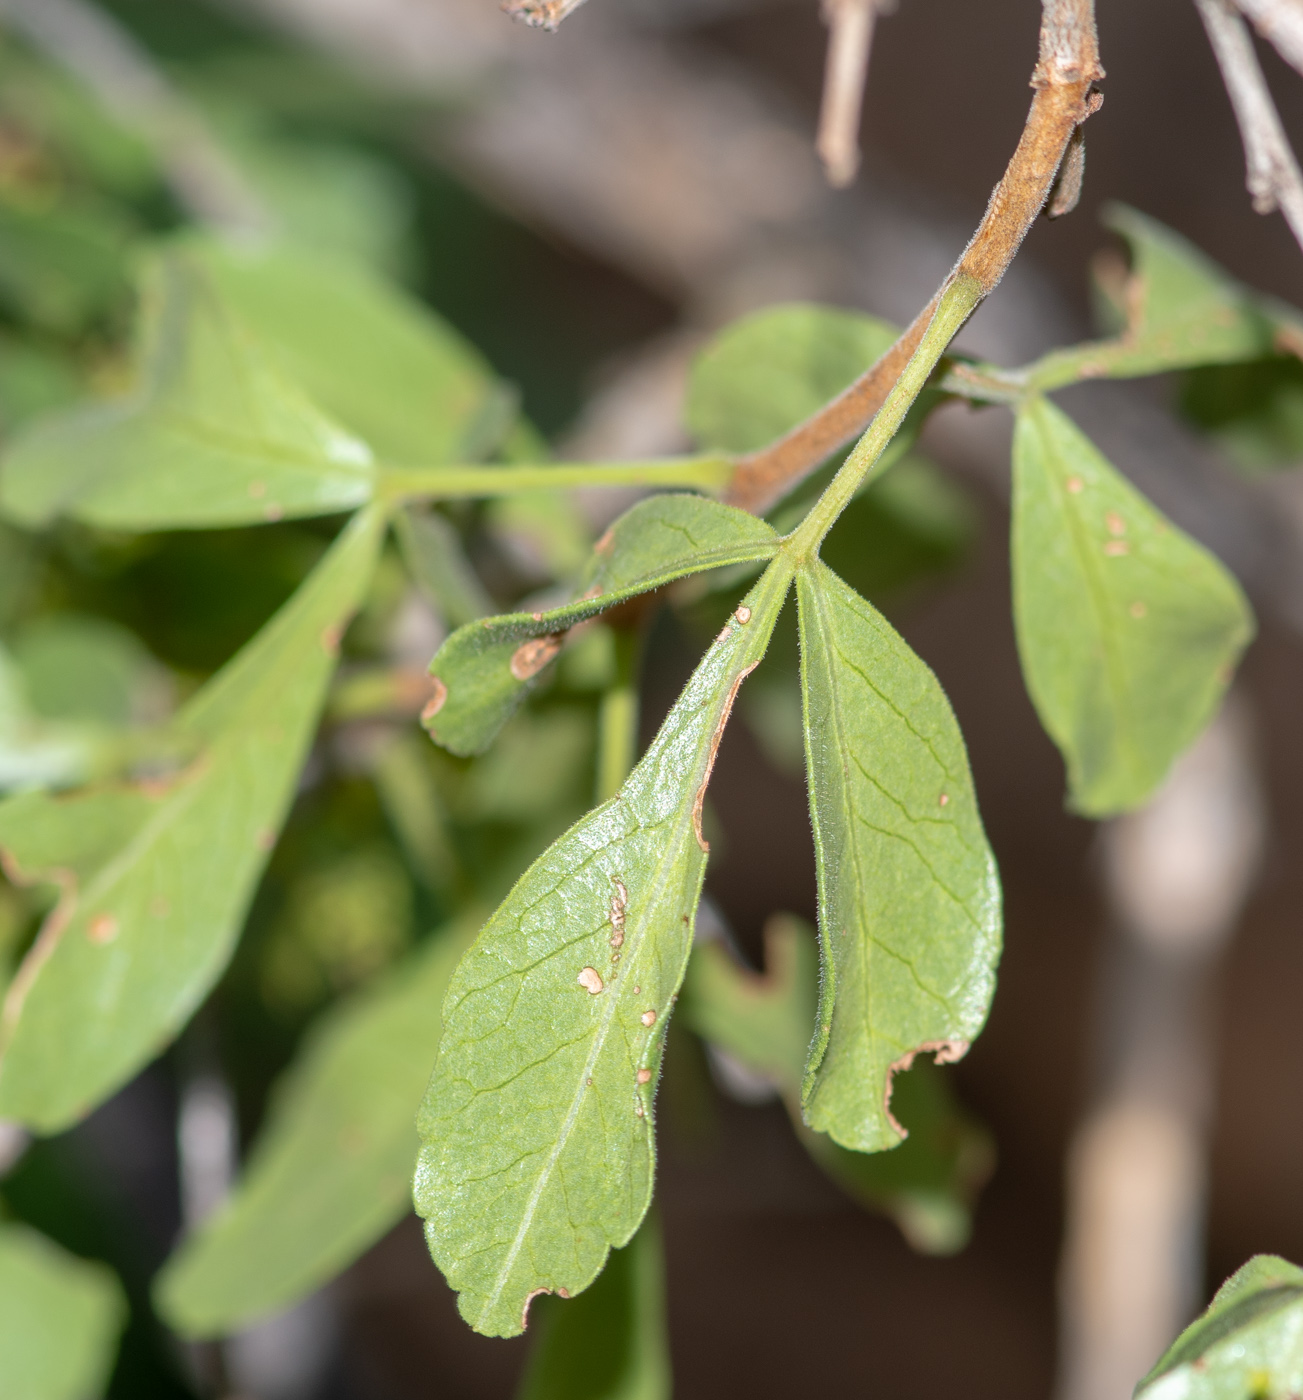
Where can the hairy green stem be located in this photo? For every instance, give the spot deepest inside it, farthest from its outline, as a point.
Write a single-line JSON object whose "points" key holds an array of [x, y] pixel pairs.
{"points": [[708, 472], [617, 724], [954, 307]]}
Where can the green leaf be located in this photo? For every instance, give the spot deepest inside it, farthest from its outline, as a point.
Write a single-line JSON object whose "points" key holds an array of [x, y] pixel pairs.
{"points": [[1182, 310], [1128, 630], [1248, 1344], [155, 876], [928, 1184], [1254, 411], [59, 1319], [487, 668], [377, 361], [538, 1148], [909, 899], [771, 370], [330, 1172], [611, 1342], [214, 433], [432, 551]]}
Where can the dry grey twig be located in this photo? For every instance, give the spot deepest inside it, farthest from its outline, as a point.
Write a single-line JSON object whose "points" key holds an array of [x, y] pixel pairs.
{"points": [[1274, 179]]}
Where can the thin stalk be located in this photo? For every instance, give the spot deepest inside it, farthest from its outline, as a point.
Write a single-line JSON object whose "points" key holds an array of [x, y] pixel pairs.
{"points": [[955, 305], [617, 722], [709, 472]]}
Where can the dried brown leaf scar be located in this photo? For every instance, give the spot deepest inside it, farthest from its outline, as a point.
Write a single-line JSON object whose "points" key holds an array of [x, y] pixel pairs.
{"points": [[648, 1018], [590, 980], [644, 1076]]}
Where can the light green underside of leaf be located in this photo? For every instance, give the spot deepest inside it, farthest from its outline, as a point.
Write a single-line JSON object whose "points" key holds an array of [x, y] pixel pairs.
{"points": [[1248, 1344], [658, 540], [59, 1320], [610, 1343], [213, 435], [331, 1171], [1127, 629], [162, 875], [769, 371], [909, 899], [538, 1148]]}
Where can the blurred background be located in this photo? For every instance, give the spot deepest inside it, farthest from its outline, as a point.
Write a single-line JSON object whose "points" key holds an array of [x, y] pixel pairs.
{"points": [[586, 208]]}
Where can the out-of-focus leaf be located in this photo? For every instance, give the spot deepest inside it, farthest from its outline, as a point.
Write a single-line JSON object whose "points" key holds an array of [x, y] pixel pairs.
{"points": [[214, 433], [406, 786], [64, 265], [544, 532], [33, 381], [611, 1342], [156, 876], [538, 1149], [380, 363], [1128, 630], [34, 754], [330, 1172], [486, 668], [1255, 411], [929, 1183], [909, 524], [87, 668], [909, 899], [1182, 310], [342, 922], [537, 761], [767, 372], [432, 551], [1248, 1344], [59, 1320]]}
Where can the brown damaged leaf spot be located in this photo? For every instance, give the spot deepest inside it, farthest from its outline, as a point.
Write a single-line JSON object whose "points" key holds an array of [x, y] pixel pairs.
{"points": [[529, 659], [644, 1076], [103, 928], [590, 980], [605, 544], [438, 695], [946, 1052], [715, 738], [524, 1312]]}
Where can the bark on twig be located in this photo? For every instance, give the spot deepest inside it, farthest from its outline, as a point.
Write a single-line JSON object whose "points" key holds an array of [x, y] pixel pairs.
{"points": [[541, 14], [1068, 66], [850, 43], [1274, 179]]}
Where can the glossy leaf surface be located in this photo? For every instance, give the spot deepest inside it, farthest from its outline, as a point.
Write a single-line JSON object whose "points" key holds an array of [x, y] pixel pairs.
{"points": [[1128, 630], [539, 1151], [486, 668], [610, 1343], [59, 1320], [213, 434], [155, 876], [330, 1173], [909, 899], [1249, 1343]]}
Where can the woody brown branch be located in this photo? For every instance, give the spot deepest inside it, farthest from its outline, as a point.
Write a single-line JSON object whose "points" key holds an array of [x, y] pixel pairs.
{"points": [[1068, 67]]}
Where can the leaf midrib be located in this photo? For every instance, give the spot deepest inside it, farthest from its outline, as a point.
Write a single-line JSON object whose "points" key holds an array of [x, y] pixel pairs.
{"points": [[673, 850]]}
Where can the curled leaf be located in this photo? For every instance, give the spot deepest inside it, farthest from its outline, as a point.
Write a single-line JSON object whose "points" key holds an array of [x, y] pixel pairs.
{"points": [[486, 668]]}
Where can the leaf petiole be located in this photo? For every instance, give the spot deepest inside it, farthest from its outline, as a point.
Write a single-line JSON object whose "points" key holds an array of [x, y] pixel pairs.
{"points": [[708, 472]]}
